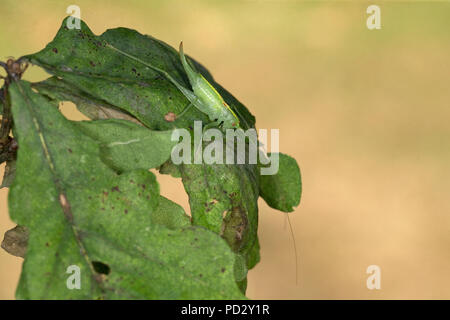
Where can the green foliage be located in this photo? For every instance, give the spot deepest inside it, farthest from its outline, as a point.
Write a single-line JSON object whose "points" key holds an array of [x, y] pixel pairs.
{"points": [[128, 146], [177, 217], [95, 109], [82, 60], [283, 190], [84, 212], [83, 192]]}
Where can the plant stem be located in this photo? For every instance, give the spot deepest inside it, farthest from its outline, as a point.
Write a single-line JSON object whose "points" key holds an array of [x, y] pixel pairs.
{"points": [[6, 124]]}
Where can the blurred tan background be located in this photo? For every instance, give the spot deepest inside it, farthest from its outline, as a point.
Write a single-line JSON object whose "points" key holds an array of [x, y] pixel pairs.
{"points": [[365, 113]]}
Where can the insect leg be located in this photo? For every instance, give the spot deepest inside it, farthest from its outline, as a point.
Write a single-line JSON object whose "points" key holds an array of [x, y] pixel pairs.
{"points": [[206, 127], [210, 125], [185, 110]]}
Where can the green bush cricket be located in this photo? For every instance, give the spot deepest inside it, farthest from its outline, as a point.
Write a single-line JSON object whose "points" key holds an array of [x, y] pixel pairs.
{"points": [[204, 96]]}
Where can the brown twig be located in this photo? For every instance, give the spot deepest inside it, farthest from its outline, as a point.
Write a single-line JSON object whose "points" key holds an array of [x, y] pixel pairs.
{"points": [[8, 146], [6, 123]]}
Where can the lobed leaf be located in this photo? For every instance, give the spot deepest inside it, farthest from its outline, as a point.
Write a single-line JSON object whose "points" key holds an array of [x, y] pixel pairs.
{"points": [[104, 84], [223, 198], [79, 212], [86, 62], [282, 191]]}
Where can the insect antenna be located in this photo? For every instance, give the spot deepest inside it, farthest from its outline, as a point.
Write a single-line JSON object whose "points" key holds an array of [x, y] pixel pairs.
{"points": [[295, 247]]}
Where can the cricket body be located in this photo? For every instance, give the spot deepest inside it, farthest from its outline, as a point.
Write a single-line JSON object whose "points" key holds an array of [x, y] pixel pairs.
{"points": [[209, 101], [204, 96]]}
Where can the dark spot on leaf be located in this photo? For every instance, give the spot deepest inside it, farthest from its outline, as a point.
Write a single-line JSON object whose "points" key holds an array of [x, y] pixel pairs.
{"points": [[105, 193], [46, 244], [131, 181], [200, 275], [70, 150], [100, 267], [125, 211], [116, 188], [222, 270], [134, 70], [55, 50], [92, 63], [103, 209]]}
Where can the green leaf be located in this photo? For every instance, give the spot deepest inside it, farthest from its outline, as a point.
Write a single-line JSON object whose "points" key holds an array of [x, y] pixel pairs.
{"points": [[240, 268], [253, 256], [223, 198], [91, 107], [79, 212], [128, 146], [282, 191], [170, 214], [83, 61]]}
